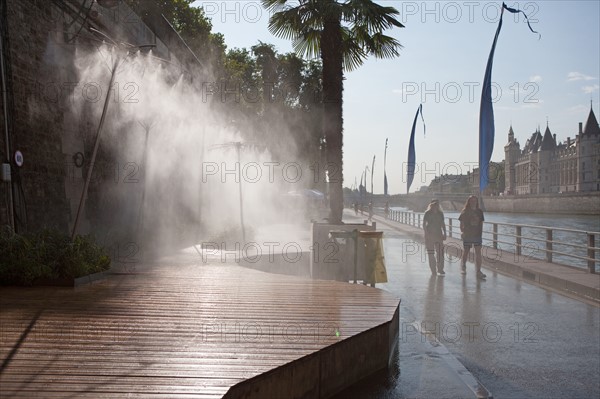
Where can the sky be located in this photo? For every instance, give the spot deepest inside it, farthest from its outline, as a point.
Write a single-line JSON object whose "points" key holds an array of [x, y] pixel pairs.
{"points": [[537, 81]]}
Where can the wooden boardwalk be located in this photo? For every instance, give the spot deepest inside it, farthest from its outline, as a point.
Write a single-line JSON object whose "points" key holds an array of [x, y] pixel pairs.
{"points": [[193, 330]]}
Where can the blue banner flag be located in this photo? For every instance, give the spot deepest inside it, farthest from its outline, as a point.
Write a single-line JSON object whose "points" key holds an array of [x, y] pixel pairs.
{"points": [[487, 129], [412, 157]]}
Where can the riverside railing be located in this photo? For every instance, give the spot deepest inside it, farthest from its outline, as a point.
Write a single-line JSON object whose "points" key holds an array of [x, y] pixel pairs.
{"points": [[569, 247]]}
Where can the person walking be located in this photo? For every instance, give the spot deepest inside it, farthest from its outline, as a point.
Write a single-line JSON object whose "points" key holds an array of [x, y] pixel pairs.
{"points": [[471, 226], [435, 235]]}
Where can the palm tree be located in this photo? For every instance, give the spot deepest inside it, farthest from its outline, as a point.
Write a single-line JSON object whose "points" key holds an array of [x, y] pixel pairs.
{"points": [[343, 33]]}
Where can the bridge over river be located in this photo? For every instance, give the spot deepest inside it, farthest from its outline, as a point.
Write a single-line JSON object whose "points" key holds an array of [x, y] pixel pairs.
{"points": [[415, 201], [572, 203]]}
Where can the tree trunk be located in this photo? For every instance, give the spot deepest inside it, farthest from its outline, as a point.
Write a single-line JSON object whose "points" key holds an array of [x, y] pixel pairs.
{"points": [[331, 54]]}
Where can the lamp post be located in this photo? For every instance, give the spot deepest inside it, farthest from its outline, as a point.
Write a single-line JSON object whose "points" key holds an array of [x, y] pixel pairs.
{"points": [[95, 151], [99, 131], [147, 128], [238, 146]]}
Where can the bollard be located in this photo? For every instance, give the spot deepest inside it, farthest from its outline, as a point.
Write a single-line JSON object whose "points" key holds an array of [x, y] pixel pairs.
{"points": [[495, 235], [549, 245], [518, 244], [591, 253], [450, 227]]}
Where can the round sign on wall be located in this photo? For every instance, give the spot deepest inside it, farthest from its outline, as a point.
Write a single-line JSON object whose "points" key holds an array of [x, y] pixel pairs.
{"points": [[18, 158], [78, 159]]}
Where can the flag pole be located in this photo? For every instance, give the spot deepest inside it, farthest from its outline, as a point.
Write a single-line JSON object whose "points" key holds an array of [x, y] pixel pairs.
{"points": [[385, 183]]}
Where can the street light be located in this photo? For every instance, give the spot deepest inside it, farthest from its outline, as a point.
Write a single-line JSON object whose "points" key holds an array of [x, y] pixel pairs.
{"points": [[238, 145]]}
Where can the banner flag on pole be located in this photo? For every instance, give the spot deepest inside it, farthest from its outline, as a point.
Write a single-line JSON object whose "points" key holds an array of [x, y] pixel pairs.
{"points": [[361, 188], [385, 183], [412, 157], [487, 129], [372, 170]]}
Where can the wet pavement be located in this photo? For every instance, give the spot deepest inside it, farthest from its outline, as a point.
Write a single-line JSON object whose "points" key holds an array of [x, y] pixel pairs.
{"points": [[516, 339]]}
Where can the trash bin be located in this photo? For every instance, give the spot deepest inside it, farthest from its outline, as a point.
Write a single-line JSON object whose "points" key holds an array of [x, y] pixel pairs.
{"points": [[366, 247], [333, 259]]}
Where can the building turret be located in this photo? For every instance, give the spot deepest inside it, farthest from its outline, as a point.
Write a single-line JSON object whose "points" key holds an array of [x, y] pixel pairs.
{"points": [[512, 150], [591, 126], [588, 155], [548, 142]]}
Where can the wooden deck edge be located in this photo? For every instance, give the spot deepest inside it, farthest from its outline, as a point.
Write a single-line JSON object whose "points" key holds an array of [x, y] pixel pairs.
{"points": [[328, 371], [71, 282]]}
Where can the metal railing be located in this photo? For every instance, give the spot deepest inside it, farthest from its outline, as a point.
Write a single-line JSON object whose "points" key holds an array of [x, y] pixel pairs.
{"points": [[554, 245]]}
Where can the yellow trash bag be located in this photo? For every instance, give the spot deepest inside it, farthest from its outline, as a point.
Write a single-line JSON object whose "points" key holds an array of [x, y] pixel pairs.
{"points": [[375, 260]]}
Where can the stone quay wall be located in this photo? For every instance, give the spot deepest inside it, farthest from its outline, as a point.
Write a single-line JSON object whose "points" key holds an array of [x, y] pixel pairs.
{"points": [[566, 203]]}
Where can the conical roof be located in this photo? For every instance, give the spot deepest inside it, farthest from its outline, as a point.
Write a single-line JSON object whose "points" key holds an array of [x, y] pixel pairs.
{"points": [[548, 141], [591, 126]]}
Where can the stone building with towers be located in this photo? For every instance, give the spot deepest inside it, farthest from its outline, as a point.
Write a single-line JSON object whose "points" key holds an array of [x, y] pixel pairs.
{"points": [[545, 165]]}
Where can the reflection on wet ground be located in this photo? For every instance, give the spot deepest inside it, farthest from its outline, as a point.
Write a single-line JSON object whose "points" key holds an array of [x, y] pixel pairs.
{"points": [[518, 340]]}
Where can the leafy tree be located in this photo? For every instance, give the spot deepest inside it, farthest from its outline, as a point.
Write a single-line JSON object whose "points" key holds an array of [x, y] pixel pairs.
{"points": [[266, 60], [262, 85], [343, 34]]}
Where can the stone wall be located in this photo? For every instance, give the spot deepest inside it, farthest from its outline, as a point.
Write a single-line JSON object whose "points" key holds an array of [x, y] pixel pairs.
{"points": [[45, 125], [566, 203], [37, 114], [574, 204]]}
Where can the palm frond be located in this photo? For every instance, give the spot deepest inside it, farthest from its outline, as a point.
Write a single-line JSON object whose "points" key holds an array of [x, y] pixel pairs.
{"points": [[353, 53], [308, 44], [382, 46], [286, 24], [363, 23], [274, 6], [375, 17]]}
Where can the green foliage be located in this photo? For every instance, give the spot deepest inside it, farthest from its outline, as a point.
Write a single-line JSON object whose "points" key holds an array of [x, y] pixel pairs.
{"points": [[361, 24], [48, 254], [343, 34], [264, 86]]}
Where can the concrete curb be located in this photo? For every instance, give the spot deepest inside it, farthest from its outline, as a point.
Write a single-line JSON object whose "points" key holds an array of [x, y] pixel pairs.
{"points": [[478, 389]]}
